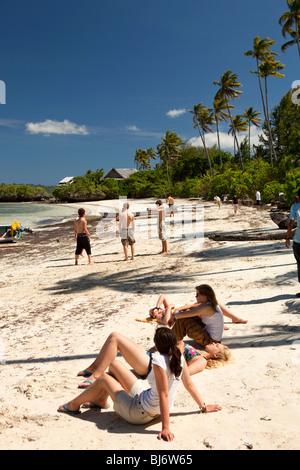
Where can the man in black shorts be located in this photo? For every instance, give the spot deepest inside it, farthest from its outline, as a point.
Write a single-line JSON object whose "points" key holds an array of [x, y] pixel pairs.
{"points": [[82, 236]]}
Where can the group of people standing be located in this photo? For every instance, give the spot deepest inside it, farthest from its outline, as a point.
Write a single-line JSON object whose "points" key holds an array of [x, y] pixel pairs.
{"points": [[126, 229]]}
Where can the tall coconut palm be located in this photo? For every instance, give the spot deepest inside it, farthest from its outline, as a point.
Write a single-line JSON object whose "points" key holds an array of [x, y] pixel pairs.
{"points": [[142, 158], [169, 150], [290, 22], [220, 107], [261, 53], [229, 91], [251, 115], [237, 125], [203, 118]]}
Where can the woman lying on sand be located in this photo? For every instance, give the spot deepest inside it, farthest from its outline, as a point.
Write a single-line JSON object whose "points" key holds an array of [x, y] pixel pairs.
{"points": [[132, 401]]}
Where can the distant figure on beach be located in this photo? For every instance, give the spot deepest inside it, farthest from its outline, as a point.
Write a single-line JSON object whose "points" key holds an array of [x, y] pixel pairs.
{"points": [[217, 201], [170, 202], [134, 401], [295, 215], [127, 227], [203, 321], [82, 237], [235, 202], [258, 199], [161, 226]]}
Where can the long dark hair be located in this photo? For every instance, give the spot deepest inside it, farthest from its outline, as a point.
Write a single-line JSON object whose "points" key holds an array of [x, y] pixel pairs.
{"points": [[166, 343]]}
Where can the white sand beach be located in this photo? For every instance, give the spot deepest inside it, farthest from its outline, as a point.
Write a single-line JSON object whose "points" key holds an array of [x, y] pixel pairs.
{"points": [[55, 316]]}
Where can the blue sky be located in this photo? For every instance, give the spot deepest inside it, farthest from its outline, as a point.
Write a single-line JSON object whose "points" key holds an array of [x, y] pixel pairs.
{"points": [[88, 83]]}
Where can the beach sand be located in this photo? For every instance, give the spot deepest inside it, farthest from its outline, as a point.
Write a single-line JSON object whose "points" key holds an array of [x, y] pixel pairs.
{"points": [[55, 316]]}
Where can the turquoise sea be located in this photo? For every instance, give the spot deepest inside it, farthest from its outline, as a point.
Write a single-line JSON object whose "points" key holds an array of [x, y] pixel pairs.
{"points": [[35, 214]]}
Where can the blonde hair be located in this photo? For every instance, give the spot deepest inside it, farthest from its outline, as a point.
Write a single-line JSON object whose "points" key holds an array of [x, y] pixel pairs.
{"points": [[224, 357]]}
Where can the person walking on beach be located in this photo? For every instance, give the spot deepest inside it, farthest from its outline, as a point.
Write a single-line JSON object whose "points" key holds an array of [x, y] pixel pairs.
{"points": [[235, 202], [170, 202], [82, 237], [258, 199], [295, 215], [127, 227], [217, 201], [161, 226]]}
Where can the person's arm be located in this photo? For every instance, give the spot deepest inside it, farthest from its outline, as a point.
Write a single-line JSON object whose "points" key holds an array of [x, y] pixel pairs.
{"points": [[85, 228], [75, 228], [193, 312], [193, 391], [162, 388], [288, 233]]}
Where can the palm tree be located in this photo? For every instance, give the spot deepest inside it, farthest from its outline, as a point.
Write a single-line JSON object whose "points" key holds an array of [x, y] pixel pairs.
{"points": [[237, 125], [228, 91], [252, 118], [220, 106], [290, 22], [262, 53], [203, 118], [142, 158], [169, 151]]}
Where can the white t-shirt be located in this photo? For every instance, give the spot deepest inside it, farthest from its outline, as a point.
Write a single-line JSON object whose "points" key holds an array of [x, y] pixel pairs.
{"points": [[150, 398], [214, 324], [257, 195], [295, 215]]}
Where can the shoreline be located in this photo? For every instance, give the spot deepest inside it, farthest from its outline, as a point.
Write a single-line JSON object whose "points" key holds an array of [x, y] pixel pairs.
{"points": [[55, 317]]}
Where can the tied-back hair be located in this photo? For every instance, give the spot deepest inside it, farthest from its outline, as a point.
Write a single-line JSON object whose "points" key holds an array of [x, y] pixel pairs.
{"points": [[208, 291], [166, 343]]}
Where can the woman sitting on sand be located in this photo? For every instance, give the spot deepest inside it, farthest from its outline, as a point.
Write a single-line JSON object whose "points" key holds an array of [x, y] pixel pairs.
{"points": [[202, 321], [214, 355], [132, 401]]}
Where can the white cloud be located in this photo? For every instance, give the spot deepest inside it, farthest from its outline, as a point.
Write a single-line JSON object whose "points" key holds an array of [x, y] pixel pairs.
{"points": [[55, 127], [133, 128], [174, 113], [226, 141]]}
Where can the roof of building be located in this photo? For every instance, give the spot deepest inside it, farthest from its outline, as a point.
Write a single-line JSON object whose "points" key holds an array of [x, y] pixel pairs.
{"points": [[66, 180], [120, 173]]}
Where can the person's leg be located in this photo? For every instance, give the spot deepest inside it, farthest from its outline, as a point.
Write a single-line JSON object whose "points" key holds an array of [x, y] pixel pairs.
{"points": [[296, 250], [227, 313], [132, 353], [132, 251], [125, 248], [193, 328]]}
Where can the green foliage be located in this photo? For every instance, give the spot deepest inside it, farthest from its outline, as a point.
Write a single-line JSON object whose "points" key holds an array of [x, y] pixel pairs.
{"points": [[22, 192]]}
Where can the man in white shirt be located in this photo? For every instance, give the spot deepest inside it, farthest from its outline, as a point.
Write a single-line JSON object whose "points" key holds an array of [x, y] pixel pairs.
{"points": [[257, 196]]}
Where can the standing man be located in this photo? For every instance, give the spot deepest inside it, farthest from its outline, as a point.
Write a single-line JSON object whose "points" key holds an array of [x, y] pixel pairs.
{"points": [[295, 215], [217, 201], [170, 202], [161, 226], [258, 199], [82, 236], [235, 202], [126, 219]]}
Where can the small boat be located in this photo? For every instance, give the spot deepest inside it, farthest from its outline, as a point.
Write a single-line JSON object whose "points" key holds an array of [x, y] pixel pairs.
{"points": [[3, 230]]}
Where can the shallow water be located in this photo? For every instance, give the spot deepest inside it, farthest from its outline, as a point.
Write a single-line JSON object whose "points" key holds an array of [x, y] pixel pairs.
{"points": [[35, 214]]}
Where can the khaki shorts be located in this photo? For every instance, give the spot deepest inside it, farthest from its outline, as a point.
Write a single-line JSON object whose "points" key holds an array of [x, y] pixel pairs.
{"points": [[129, 405]]}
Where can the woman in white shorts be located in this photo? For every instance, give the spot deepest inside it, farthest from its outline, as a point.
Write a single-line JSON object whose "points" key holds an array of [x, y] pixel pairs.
{"points": [[136, 403]]}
